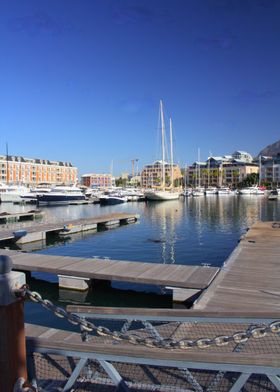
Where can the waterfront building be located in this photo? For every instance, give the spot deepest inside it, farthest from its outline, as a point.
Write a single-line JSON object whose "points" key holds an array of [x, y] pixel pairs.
{"points": [[270, 171], [30, 171], [218, 171], [94, 180], [151, 174]]}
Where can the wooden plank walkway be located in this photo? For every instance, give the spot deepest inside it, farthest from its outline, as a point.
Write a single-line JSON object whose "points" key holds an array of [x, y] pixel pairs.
{"points": [[250, 279], [56, 339], [160, 364], [77, 225], [114, 270], [247, 286], [20, 216]]}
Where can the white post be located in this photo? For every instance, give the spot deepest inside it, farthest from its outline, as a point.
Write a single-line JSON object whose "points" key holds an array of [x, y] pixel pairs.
{"points": [[171, 153]]}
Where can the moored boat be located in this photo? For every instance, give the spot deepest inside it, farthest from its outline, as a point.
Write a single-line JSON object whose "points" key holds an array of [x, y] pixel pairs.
{"points": [[162, 193], [273, 195], [198, 191], [113, 198], [12, 193], [211, 190], [225, 191], [60, 195], [252, 190]]}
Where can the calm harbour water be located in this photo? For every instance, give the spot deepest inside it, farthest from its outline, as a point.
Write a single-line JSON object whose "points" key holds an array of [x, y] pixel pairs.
{"points": [[188, 231]]}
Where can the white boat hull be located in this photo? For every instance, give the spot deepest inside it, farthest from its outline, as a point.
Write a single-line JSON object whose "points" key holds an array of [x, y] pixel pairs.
{"points": [[161, 195], [10, 197]]}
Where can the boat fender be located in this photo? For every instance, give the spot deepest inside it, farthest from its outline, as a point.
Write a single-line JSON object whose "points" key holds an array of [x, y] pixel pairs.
{"points": [[67, 227], [19, 233]]}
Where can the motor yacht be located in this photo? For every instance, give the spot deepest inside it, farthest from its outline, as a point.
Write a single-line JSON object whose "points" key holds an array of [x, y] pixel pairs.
{"points": [[60, 195], [12, 193]]}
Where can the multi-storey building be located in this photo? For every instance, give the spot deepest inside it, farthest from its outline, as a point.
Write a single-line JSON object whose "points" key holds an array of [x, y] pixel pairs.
{"points": [[151, 174], [28, 171], [227, 170], [270, 171], [94, 180]]}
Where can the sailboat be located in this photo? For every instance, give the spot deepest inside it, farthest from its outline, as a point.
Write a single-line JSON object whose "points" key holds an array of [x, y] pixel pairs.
{"points": [[162, 193]]}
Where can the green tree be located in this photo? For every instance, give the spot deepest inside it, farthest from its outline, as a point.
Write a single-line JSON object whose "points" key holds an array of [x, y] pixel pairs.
{"points": [[250, 180]]}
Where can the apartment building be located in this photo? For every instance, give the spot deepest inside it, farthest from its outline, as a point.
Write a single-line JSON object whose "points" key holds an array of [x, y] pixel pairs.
{"points": [[227, 170], [94, 180], [270, 171], [29, 171], [151, 174]]}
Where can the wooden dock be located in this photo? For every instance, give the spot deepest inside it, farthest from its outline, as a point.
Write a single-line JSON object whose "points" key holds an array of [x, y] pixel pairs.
{"points": [[185, 276], [240, 303], [6, 217], [40, 231], [250, 278]]}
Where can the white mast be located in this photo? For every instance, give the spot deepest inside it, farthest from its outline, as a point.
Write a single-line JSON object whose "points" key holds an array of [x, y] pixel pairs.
{"points": [[198, 157], [162, 144], [171, 153]]}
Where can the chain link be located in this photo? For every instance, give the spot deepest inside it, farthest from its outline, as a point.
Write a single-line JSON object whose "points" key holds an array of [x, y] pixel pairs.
{"points": [[154, 340]]}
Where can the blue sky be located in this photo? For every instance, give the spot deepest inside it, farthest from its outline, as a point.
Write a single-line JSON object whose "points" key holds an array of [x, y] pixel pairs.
{"points": [[81, 80]]}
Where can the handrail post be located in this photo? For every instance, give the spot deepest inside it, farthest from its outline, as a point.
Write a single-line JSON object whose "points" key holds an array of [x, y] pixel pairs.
{"points": [[12, 334]]}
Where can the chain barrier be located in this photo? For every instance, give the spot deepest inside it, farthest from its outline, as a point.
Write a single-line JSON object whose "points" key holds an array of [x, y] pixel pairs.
{"points": [[155, 340]]}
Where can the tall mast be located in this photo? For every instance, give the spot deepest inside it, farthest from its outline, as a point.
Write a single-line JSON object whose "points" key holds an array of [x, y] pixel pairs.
{"points": [[171, 153], [162, 143], [198, 157], [7, 164]]}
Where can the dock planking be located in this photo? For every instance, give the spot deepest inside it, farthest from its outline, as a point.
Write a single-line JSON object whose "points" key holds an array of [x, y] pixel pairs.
{"points": [[250, 278], [20, 216], [115, 270], [39, 231], [247, 286]]}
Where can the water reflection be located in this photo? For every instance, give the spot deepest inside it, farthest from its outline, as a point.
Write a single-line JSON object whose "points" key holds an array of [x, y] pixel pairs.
{"points": [[186, 231], [167, 217]]}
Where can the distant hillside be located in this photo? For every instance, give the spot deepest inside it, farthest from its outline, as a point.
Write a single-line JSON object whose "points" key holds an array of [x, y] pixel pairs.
{"points": [[271, 150]]}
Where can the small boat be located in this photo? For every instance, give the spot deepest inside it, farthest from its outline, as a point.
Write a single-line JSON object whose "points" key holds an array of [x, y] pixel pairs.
{"points": [[199, 191], [252, 190], [112, 199], [211, 190], [132, 194], [225, 191], [60, 195], [273, 195], [187, 192]]}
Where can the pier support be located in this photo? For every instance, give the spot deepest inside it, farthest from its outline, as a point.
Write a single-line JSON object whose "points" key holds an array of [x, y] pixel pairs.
{"points": [[12, 334], [73, 282], [32, 237], [72, 229], [112, 223], [183, 295]]}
